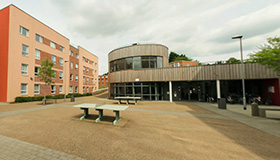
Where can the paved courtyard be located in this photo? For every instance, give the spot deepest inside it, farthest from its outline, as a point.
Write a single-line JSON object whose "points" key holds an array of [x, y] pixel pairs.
{"points": [[149, 130]]}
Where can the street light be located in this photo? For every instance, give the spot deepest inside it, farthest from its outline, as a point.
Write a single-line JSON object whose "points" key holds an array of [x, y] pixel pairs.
{"points": [[243, 70], [65, 80]]}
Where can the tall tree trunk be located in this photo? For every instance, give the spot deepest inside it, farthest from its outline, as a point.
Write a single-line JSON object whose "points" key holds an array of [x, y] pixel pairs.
{"points": [[45, 91]]}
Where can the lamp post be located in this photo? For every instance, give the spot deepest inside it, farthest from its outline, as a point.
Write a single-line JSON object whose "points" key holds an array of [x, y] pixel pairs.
{"points": [[65, 80], [242, 70]]}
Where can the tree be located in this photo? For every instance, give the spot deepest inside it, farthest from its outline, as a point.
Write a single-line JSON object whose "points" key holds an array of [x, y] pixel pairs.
{"points": [[46, 73], [233, 60], [176, 57], [172, 56], [269, 54]]}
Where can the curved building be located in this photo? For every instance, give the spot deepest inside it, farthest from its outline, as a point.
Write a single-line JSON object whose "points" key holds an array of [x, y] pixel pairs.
{"points": [[142, 70]]}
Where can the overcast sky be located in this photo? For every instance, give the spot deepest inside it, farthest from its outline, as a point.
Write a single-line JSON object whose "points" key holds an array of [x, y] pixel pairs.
{"points": [[200, 29]]}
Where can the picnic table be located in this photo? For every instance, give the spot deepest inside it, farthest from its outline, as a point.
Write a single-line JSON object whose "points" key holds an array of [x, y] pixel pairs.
{"points": [[100, 107], [127, 99]]}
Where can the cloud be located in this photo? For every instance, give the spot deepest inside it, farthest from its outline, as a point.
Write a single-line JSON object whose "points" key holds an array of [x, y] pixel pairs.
{"points": [[198, 28]]}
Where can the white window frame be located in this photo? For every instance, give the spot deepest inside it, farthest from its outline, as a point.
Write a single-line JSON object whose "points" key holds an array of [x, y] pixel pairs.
{"points": [[38, 38], [53, 89], [36, 74], [70, 89], [61, 48], [61, 61], [84, 59], [84, 68], [77, 55], [77, 66], [70, 53], [60, 75], [53, 44], [71, 77], [23, 70], [76, 78], [71, 65], [37, 54], [53, 59], [22, 91], [76, 89], [36, 90], [24, 50], [60, 89], [23, 31]]}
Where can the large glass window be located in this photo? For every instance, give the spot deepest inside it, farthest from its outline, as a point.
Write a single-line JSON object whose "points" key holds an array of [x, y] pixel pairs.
{"points": [[136, 62], [24, 69], [37, 54], [39, 38], [128, 63]]}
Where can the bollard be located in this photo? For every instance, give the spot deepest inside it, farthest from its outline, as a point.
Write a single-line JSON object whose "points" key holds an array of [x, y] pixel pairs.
{"points": [[255, 109], [72, 98], [222, 103]]}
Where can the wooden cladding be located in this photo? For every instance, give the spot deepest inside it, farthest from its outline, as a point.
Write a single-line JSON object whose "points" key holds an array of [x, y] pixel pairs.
{"points": [[140, 50], [194, 73]]}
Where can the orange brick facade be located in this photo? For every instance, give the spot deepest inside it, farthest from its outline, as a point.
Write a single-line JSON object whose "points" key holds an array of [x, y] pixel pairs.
{"points": [[103, 80], [182, 63], [19, 29]]}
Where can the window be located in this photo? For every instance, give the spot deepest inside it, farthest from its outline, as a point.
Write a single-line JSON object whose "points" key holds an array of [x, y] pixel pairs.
{"points": [[92, 72], [87, 89], [159, 62], [87, 79], [54, 73], [53, 59], [77, 66], [87, 60], [84, 79], [95, 71], [87, 70], [60, 89], [37, 54], [23, 89], [92, 80], [84, 89], [84, 68], [52, 44], [60, 75], [76, 89], [76, 78], [53, 89], [24, 69], [145, 62], [61, 49], [92, 62], [71, 65], [23, 31], [70, 53], [83, 59], [70, 89], [61, 61], [176, 64], [24, 50], [136, 62], [95, 64], [77, 56], [36, 89], [71, 77], [38, 38], [128, 63], [36, 71]]}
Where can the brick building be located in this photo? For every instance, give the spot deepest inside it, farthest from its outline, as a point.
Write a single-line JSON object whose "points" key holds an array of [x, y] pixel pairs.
{"points": [[25, 42], [182, 63], [103, 80]]}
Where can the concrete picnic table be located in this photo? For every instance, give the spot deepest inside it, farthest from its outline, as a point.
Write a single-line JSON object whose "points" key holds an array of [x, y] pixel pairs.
{"points": [[127, 99], [100, 107]]}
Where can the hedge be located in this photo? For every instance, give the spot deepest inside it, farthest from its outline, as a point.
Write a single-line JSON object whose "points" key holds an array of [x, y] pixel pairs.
{"points": [[40, 98]]}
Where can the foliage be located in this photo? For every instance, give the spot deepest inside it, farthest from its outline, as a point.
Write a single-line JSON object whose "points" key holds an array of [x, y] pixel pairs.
{"points": [[46, 73], [176, 57], [269, 54], [233, 60], [40, 98]]}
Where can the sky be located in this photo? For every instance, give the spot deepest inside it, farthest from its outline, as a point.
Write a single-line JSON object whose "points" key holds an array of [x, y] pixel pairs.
{"points": [[200, 29]]}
